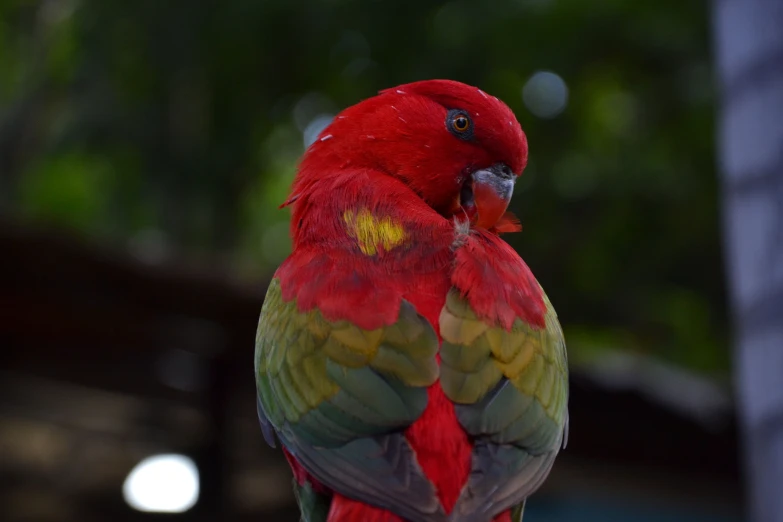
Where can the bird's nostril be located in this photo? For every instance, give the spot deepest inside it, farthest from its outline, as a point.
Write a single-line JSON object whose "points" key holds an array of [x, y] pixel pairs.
{"points": [[504, 171]]}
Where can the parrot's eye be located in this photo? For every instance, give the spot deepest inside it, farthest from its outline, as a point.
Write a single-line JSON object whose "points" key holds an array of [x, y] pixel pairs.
{"points": [[459, 124]]}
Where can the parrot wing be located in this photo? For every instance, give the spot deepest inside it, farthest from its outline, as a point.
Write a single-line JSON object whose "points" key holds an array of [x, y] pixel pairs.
{"points": [[338, 396], [507, 377]]}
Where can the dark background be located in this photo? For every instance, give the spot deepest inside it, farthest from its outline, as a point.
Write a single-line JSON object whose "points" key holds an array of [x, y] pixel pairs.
{"points": [[145, 147]]}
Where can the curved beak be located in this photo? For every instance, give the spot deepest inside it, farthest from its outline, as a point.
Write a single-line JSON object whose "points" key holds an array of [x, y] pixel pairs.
{"points": [[489, 192]]}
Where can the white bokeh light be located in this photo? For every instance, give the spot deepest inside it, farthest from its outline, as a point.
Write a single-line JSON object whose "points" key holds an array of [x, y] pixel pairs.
{"points": [[162, 484], [545, 94], [314, 128]]}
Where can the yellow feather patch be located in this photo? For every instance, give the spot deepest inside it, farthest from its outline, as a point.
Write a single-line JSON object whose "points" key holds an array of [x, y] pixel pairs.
{"points": [[373, 234]]}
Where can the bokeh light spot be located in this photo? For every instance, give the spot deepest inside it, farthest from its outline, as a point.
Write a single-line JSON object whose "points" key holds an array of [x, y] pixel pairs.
{"points": [[545, 94], [315, 127], [162, 484]]}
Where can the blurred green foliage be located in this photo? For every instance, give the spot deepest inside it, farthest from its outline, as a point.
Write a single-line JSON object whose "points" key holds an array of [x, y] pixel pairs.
{"points": [[180, 123]]}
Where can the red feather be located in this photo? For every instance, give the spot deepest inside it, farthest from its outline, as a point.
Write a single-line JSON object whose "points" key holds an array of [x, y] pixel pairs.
{"points": [[498, 284], [442, 446], [508, 223]]}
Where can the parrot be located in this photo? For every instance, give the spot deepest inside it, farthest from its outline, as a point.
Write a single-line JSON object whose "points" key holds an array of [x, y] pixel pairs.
{"points": [[406, 359]]}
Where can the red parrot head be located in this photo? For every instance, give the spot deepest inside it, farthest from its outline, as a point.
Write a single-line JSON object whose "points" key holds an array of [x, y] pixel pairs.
{"points": [[459, 148]]}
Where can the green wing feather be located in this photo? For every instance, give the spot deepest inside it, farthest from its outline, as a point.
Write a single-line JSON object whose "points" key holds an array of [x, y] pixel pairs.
{"points": [[510, 389], [339, 397], [313, 506], [477, 358], [332, 381]]}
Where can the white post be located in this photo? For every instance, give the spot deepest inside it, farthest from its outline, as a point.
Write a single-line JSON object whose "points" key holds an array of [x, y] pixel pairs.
{"points": [[749, 52]]}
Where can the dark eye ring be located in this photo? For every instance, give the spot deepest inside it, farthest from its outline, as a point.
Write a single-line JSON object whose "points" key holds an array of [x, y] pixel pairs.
{"points": [[460, 122]]}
